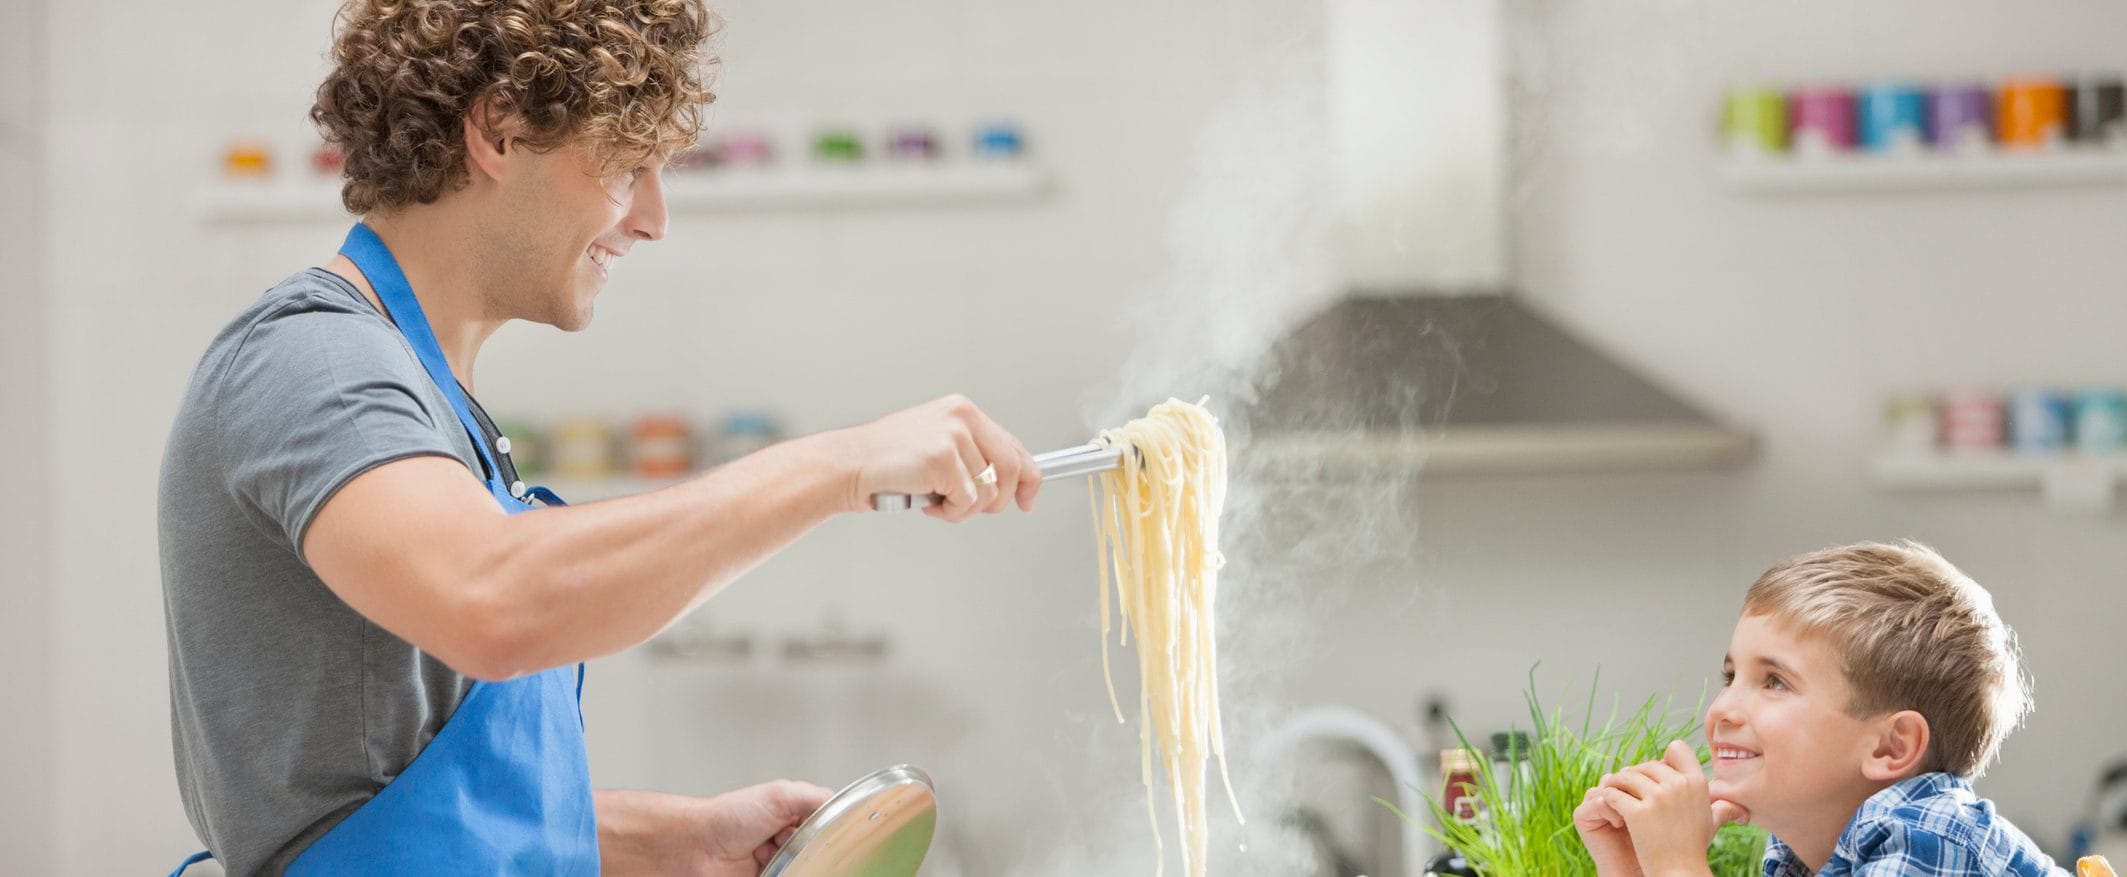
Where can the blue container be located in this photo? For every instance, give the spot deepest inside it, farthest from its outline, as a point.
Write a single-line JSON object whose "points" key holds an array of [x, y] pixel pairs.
{"points": [[1894, 118], [2101, 421], [999, 140], [2040, 421]]}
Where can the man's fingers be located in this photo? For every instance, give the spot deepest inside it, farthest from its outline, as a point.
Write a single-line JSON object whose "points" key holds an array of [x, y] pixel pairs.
{"points": [[955, 475], [1029, 480]]}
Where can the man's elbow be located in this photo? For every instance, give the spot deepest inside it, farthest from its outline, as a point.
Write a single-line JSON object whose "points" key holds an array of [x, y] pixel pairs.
{"points": [[497, 641]]}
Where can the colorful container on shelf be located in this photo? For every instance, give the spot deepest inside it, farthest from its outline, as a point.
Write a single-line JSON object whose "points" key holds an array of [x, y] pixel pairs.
{"points": [[1961, 119], [661, 446], [1754, 121], [581, 447], [2034, 114], [2025, 114], [1823, 122], [1892, 118], [2101, 421], [2097, 112], [1972, 420], [2036, 421], [2040, 420], [999, 140]]}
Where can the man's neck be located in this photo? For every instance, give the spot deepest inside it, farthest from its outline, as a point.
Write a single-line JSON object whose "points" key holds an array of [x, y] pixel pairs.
{"points": [[430, 246]]}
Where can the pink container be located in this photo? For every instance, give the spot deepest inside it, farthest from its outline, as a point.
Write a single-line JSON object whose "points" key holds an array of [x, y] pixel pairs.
{"points": [[1823, 121], [1973, 421]]}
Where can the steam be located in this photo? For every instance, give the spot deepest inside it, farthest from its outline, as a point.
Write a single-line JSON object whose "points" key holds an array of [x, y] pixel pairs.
{"points": [[1250, 260]]}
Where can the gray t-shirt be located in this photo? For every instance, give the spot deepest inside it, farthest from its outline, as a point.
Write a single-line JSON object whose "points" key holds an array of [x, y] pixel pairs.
{"points": [[288, 709]]}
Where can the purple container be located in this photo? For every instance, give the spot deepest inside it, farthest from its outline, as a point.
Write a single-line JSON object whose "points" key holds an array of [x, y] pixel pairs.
{"points": [[913, 143], [1823, 121], [1961, 119]]}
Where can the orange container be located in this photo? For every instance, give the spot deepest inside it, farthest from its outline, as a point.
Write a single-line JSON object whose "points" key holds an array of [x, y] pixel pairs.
{"points": [[660, 447], [2034, 113]]}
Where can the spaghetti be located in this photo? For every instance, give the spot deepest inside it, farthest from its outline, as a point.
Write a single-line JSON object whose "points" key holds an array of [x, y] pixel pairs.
{"points": [[1158, 521]]}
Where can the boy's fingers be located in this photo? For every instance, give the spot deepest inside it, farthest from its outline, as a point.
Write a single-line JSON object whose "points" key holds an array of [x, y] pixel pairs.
{"points": [[1623, 803], [1725, 812], [1682, 757], [1595, 811], [1633, 782]]}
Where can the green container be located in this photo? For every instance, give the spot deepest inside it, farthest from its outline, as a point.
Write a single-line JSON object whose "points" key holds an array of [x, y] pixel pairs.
{"points": [[1754, 121], [838, 146]]}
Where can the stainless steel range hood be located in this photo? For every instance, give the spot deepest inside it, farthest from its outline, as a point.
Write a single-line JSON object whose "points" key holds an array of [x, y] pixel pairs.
{"points": [[1471, 384]]}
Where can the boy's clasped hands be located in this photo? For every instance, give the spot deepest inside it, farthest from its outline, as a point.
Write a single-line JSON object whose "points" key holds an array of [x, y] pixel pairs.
{"points": [[1654, 819]]}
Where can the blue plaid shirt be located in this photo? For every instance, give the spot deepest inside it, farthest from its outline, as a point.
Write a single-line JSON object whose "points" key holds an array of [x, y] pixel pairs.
{"points": [[1929, 826]]}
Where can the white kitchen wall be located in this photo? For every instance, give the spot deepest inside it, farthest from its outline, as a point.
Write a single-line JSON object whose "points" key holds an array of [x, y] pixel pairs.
{"points": [[1791, 316], [25, 441]]}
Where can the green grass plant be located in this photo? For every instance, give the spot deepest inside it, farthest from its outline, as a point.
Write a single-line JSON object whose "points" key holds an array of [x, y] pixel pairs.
{"points": [[1525, 828]]}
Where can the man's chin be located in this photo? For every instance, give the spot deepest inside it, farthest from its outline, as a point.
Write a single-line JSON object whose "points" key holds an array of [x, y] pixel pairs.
{"points": [[572, 321]]}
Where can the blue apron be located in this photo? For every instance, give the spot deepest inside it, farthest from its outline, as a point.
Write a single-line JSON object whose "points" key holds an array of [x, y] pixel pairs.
{"points": [[505, 787]]}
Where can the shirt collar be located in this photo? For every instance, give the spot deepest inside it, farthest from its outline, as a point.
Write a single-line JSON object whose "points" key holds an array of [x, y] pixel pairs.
{"points": [[1780, 859]]}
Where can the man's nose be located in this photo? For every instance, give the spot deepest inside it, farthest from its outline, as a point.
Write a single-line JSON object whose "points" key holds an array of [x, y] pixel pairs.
{"points": [[646, 216]]}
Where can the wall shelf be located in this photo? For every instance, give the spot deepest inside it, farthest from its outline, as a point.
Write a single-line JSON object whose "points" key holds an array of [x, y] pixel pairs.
{"points": [[1864, 173], [739, 189], [2068, 482]]}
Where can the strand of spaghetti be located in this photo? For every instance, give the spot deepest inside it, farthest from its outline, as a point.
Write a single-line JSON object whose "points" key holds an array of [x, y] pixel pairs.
{"points": [[1100, 542]]}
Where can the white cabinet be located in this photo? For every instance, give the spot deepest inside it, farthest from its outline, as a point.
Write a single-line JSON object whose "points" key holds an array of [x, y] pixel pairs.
{"points": [[1418, 118]]}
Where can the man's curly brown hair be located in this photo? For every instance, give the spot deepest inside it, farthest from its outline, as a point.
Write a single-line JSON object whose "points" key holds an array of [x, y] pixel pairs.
{"points": [[627, 77]]}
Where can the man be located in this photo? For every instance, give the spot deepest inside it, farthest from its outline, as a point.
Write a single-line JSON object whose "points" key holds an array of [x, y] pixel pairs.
{"points": [[352, 574]]}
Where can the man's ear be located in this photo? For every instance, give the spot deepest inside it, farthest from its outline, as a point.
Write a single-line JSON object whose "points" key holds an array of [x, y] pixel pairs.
{"points": [[1901, 747], [487, 141]]}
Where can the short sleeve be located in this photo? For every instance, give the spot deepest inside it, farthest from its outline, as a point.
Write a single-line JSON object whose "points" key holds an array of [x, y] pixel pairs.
{"points": [[310, 401]]}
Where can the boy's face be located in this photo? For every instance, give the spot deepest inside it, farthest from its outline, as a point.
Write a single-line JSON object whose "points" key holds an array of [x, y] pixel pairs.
{"points": [[1784, 745]]}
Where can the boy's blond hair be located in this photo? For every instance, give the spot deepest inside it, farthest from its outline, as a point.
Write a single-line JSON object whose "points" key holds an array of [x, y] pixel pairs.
{"points": [[1913, 633]]}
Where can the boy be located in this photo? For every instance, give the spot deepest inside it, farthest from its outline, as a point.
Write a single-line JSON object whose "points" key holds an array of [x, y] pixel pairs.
{"points": [[1864, 687]]}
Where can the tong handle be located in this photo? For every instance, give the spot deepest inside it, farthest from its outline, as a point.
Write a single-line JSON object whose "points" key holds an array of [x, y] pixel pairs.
{"points": [[1085, 459]]}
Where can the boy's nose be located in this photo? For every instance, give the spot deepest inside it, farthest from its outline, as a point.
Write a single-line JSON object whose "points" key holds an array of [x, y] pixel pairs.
{"points": [[1722, 712]]}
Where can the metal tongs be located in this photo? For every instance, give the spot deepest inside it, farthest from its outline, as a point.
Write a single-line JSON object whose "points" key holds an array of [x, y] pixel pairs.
{"points": [[1086, 459]]}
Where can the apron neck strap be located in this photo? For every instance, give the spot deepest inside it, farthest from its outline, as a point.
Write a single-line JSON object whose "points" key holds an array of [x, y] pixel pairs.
{"points": [[369, 254]]}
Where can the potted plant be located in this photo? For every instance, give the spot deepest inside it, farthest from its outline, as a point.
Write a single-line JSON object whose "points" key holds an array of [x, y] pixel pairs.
{"points": [[1524, 827]]}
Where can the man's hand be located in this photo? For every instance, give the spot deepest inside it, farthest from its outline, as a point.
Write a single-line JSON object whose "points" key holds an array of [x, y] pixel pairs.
{"points": [[730, 835], [1604, 832], [1668, 812], [940, 447]]}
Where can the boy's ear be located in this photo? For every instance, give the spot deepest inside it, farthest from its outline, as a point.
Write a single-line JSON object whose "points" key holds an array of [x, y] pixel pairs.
{"points": [[1901, 747]]}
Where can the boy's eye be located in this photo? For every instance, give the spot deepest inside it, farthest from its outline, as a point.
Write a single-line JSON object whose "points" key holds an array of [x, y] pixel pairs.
{"points": [[1774, 681], [1728, 677]]}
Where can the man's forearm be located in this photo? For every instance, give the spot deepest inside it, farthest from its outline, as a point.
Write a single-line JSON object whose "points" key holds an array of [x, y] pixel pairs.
{"points": [[637, 831], [585, 581]]}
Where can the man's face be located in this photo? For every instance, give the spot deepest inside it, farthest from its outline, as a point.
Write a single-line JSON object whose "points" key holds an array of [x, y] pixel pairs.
{"points": [[1784, 745], [560, 230]]}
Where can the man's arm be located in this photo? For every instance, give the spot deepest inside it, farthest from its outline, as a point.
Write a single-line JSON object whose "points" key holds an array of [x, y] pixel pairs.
{"points": [[419, 547]]}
